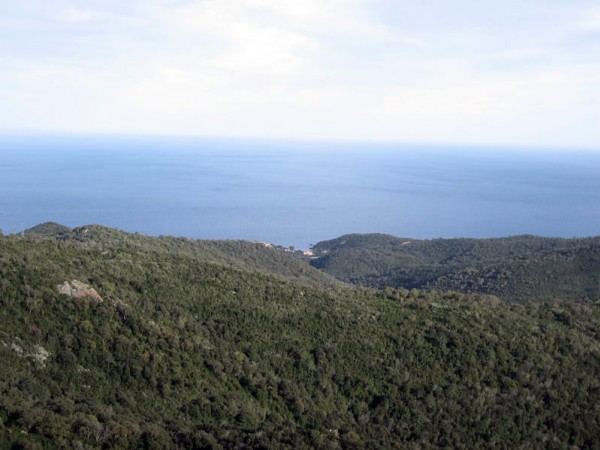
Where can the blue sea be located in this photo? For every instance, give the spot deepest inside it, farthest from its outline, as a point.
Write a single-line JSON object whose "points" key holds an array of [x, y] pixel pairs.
{"points": [[296, 193]]}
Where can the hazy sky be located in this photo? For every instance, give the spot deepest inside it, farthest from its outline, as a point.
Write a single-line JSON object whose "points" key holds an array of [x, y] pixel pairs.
{"points": [[472, 71]]}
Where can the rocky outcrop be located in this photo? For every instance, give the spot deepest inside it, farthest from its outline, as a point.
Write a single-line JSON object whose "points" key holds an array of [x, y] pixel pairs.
{"points": [[77, 289], [38, 353]]}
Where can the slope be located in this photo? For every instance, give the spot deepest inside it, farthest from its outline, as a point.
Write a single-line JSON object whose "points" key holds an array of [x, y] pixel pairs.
{"points": [[179, 353], [244, 255], [519, 268]]}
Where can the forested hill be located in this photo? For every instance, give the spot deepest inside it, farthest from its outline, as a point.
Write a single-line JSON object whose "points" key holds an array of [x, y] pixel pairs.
{"points": [[127, 345], [519, 268], [238, 254]]}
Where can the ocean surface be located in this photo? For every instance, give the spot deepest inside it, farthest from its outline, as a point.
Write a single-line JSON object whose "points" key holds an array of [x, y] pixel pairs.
{"points": [[294, 193]]}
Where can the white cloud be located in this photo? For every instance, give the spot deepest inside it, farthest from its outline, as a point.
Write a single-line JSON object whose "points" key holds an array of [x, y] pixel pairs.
{"points": [[588, 20], [312, 68], [72, 14], [272, 37], [240, 41], [174, 91]]}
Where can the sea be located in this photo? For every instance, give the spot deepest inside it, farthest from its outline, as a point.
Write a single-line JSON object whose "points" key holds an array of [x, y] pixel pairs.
{"points": [[296, 193]]}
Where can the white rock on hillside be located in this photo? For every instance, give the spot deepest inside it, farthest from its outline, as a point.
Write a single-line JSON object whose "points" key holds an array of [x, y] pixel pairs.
{"points": [[77, 289]]}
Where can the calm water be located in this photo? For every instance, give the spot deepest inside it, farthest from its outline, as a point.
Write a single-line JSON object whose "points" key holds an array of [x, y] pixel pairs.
{"points": [[296, 194]]}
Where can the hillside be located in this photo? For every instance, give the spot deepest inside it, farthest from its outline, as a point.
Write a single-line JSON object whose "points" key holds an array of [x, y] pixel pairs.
{"points": [[243, 255], [116, 345], [519, 268]]}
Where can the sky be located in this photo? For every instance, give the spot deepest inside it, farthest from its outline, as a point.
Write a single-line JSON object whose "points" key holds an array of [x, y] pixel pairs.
{"points": [[434, 71]]}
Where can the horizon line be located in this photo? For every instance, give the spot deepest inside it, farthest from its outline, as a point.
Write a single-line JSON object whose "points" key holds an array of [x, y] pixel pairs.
{"points": [[298, 140]]}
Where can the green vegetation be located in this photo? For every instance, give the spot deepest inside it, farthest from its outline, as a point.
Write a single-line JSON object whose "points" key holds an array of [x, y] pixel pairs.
{"points": [[189, 353], [520, 268], [244, 255]]}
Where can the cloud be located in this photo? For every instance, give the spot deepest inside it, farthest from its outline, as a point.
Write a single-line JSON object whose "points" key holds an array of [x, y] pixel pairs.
{"points": [[170, 89], [315, 68], [76, 15], [588, 20], [268, 36]]}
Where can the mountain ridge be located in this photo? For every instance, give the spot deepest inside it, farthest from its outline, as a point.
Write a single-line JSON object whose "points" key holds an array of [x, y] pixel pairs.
{"points": [[240, 254], [516, 268], [186, 353]]}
